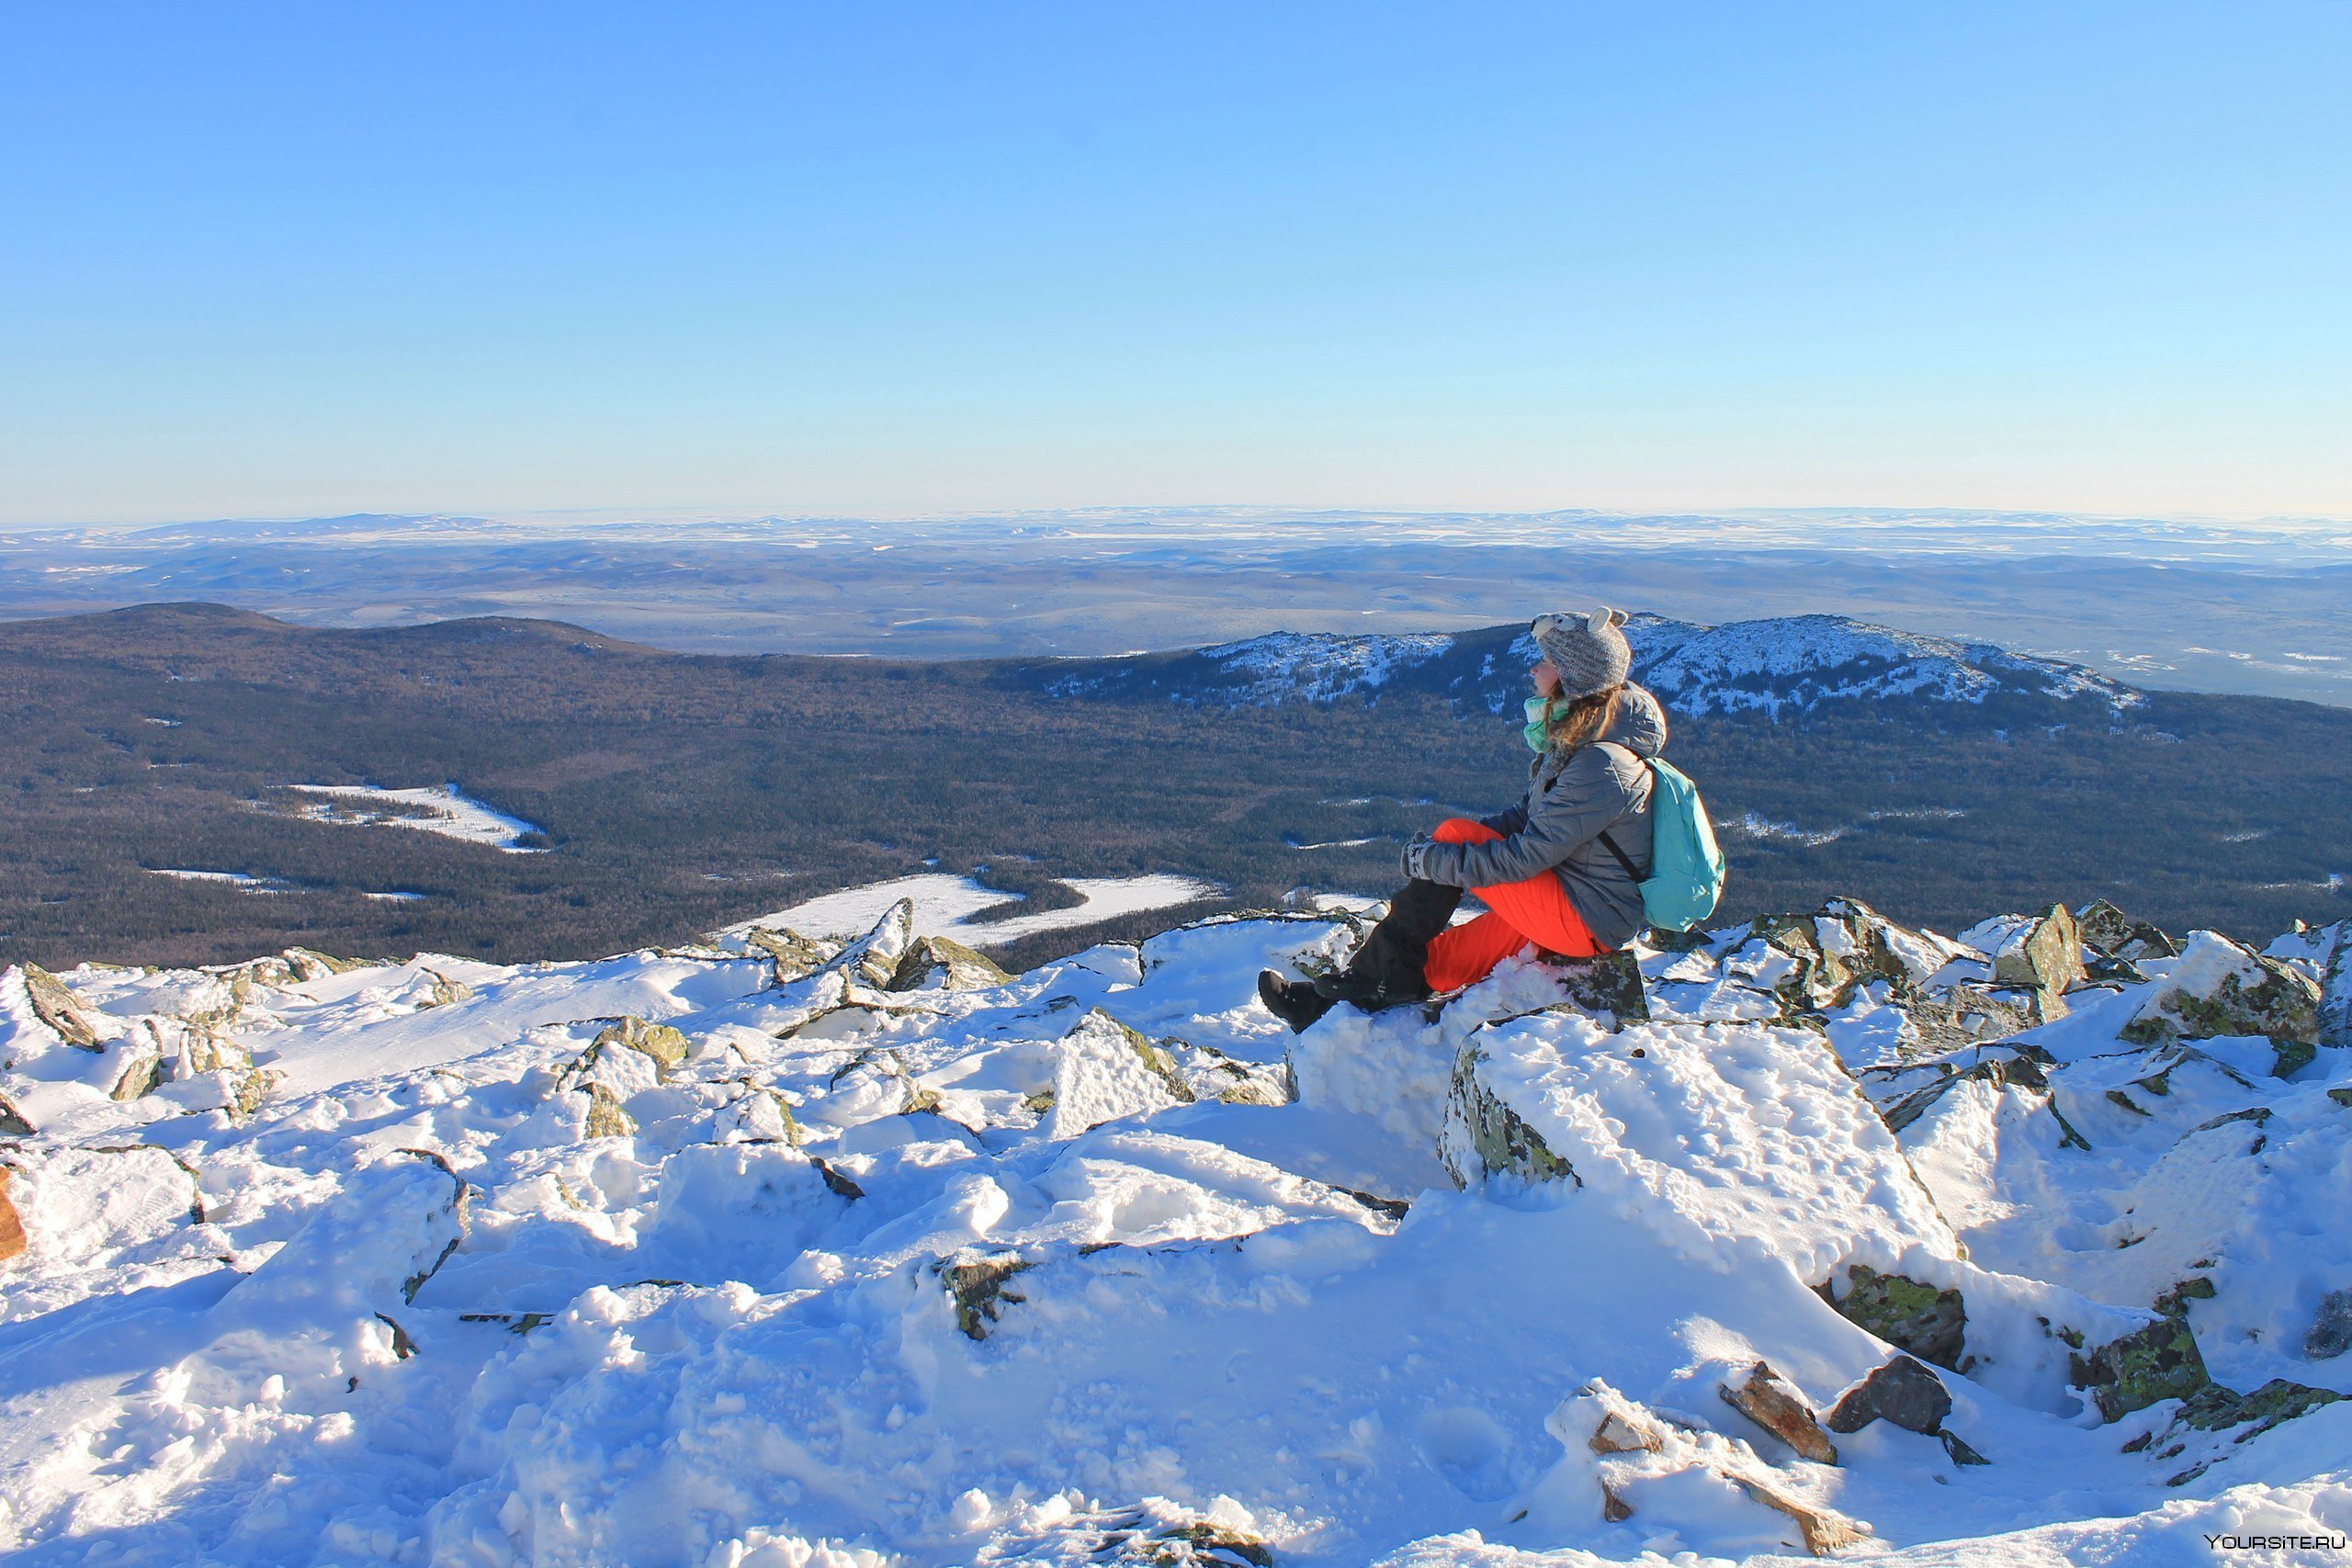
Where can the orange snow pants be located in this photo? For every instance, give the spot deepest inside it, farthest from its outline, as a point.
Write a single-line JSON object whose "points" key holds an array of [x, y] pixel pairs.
{"points": [[1530, 913]]}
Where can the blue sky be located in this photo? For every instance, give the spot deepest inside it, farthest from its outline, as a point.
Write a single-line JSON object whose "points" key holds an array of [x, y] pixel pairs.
{"points": [[304, 259]]}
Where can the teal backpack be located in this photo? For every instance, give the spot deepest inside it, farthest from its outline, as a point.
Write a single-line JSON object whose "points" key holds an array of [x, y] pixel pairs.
{"points": [[1686, 865]]}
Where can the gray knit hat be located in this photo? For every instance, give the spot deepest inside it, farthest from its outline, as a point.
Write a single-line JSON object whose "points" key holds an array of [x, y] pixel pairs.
{"points": [[1586, 648]]}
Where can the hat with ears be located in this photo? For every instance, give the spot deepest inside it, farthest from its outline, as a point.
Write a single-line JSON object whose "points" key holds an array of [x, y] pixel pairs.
{"points": [[1586, 648]]}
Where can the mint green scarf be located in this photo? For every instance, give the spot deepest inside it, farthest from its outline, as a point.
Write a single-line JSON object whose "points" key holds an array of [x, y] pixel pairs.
{"points": [[1542, 713]]}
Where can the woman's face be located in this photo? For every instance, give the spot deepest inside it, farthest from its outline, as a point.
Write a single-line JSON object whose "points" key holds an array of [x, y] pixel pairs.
{"points": [[1546, 679]]}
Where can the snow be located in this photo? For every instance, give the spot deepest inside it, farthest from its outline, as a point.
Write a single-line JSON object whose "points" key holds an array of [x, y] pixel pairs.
{"points": [[243, 881], [951, 906], [1045, 1269], [1797, 661], [444, 811]]}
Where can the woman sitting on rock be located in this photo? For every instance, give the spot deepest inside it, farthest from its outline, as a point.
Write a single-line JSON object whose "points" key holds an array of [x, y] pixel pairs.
{"points": [[1559, 872]]}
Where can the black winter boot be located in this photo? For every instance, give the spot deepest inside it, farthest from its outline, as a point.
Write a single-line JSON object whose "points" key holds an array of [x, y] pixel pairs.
{"points": [[1294, 1001], [1387, 970]]}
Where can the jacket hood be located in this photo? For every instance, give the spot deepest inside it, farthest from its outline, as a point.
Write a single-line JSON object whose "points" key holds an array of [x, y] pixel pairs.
{"points": [[1637, 723]]}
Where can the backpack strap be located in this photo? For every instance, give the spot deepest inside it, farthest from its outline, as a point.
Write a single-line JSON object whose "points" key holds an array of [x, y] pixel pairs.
{"points": [[1633, 872]]}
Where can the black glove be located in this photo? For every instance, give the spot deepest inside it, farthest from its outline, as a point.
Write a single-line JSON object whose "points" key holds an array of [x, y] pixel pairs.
{"points": [[1416, 856]]}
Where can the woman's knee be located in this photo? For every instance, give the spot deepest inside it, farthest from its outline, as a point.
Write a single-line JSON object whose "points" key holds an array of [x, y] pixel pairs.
{"points": [[1462, 830]]}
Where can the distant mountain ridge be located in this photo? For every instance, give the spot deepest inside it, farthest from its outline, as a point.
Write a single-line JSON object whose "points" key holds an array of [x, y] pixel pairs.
{"points": [[1790, 664]]}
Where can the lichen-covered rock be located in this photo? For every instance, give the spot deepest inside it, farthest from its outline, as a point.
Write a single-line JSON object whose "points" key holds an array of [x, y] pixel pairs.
{"points": [[663, 1045], [1609, 987], [793, 955], [1485, 1137], [2218, 988], [2045, 957], [1901, 1393], [2159, 1361], [1773, 1402], [2331, 1331], [310, 963], [2109, 931], [872, 959], [978, 1287], [61, 1010], [607, 1117], [2213, 1409], [1925, 1322], [14, 1123], [1969, 1014], [937, 962]]}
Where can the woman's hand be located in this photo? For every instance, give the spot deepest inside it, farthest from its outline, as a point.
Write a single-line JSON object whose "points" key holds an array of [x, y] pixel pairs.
{"points": [[1547, 679]]}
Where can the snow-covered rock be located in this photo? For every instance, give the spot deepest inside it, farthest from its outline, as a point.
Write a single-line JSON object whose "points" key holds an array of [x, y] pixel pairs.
{"points": [[776, 1249]]}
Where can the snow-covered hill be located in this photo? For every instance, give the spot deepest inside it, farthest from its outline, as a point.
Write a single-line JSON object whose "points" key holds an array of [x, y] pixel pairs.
{"points": [[1819, 1235], [1791, 664]]}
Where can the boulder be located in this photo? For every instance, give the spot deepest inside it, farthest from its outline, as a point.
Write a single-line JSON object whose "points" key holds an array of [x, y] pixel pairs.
{"points": [[1773, 1402], [1902, 1393], [442, 992], [2155, 1362], [1823, 1530], [2218, 988], [934, 961], [14, 1123], [2331, 1331], [1925, 1322], [2044, 957], [309, 964]]}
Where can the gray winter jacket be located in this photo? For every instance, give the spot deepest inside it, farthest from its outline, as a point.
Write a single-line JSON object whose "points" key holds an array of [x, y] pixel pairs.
{"points": [[1571, 797]]}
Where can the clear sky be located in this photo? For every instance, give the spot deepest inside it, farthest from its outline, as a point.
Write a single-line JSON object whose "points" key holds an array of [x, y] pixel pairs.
{"points": [[287, 260]]}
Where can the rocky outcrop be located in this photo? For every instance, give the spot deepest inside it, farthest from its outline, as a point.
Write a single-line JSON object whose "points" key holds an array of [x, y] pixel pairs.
{"points": [[792, 956], [936, 963], [2213, 1409], [1608, 987], [606, 1116], [2336, 991], [2218, 988], [872, 959], [2111, 933], [14, 1123]]}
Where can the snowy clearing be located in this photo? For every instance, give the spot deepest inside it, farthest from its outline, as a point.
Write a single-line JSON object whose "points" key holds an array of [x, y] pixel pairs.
{"points": [[444, 811], [243, 881], [1823, 1236]]}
